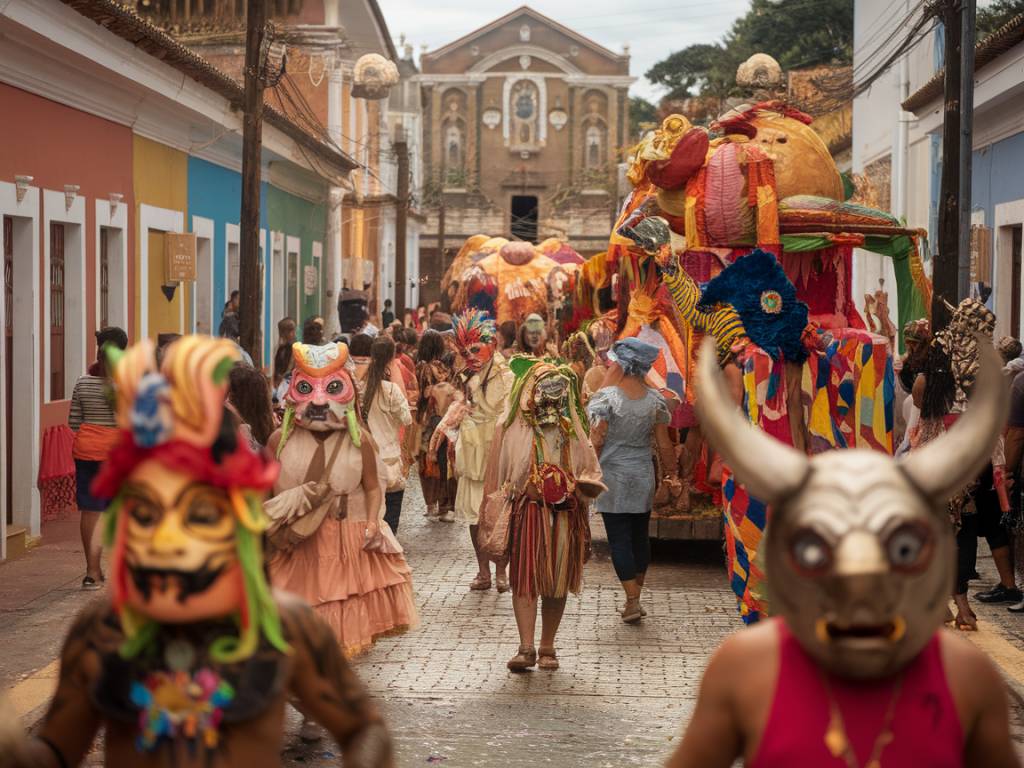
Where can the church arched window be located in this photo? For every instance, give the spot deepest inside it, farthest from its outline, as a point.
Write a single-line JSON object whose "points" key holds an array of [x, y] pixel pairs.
{"points": [[524, 108]]}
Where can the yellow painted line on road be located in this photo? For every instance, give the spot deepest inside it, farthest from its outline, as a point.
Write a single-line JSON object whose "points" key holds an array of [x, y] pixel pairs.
{"points": [[35, 690], [1008, 657]]}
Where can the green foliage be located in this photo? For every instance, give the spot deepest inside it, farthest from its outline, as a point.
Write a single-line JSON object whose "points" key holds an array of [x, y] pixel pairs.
{"points": [[992, 17], [795, 34], [641, 111]]}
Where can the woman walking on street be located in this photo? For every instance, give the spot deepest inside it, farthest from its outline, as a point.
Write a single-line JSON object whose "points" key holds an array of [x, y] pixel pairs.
{"points": [[628, 417], [386, 411], [434, 376], [95, 426]]}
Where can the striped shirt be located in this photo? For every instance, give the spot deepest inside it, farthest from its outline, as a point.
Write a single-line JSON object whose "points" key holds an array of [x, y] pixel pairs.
{"points": [[90, 403]]}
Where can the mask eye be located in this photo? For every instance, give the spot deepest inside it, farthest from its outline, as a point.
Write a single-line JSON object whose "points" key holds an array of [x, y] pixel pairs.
{"points": [[334, 387], [143, 512], [810, 552], [907, 547], [204, 512], [304, 388]]}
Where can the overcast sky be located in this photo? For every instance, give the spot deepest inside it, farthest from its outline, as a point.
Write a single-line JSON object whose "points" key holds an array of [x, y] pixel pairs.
{"points": [[652, 30]]}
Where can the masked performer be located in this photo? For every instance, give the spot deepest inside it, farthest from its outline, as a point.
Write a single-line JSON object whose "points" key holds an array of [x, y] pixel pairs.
{"points": [[486, 382], [342, 562], [532, 338], [541, 477], [191, 658], [855, 670]]}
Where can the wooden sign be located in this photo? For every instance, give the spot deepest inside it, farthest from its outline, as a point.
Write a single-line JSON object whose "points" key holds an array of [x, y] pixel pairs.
{"points": [[180, 257]]}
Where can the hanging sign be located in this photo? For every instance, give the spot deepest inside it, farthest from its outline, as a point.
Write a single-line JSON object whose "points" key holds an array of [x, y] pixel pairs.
{"points": [[180, 257], [310, 279]]}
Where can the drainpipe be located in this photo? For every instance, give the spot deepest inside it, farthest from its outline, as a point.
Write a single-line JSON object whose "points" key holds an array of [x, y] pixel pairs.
{"points": [[902, 144]]}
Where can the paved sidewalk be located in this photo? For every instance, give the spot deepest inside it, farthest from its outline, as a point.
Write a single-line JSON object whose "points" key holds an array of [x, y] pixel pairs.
{"points": [[620, 697]]}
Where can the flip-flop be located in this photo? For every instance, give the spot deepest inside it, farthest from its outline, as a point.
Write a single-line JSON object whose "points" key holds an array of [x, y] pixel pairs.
{"points": [[965, 625], [89, 584]]}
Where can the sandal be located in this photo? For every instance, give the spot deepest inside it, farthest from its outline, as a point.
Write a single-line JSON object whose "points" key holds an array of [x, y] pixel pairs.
{"points": [[89, 584], [547, 659], [968, 623], [502, 584], [525, 658], [480, 584], [631, 611]]}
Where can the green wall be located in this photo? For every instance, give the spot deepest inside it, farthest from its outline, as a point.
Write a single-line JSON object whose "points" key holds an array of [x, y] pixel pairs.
{"points": [[297, 217]]}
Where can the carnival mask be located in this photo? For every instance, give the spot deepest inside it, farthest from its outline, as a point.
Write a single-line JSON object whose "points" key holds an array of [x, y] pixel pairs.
{"points": [[534, 334], [475, 336], [550, 399], [179, 546], [186, 521], [860, 553], [321, 394]]}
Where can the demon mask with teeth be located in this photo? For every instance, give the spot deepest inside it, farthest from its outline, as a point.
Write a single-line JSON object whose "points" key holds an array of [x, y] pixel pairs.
{"points": [[187, 517], [322, 395], [860, 552]]}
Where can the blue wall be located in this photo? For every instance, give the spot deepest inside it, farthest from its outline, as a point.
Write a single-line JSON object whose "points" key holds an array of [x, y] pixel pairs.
{"points": [[216, 193], [997, 175]]}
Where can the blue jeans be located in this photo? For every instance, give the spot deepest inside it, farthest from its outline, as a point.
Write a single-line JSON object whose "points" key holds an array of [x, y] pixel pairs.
{"points": [[393, 508], [630, 543]]}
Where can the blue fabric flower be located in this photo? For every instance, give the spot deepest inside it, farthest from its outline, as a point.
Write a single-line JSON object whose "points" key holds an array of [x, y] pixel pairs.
{"points": [[757, 287], [152, 418]]}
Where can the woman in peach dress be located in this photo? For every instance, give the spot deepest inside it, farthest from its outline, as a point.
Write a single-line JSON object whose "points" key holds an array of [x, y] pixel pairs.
{"points": [[351, 569]]}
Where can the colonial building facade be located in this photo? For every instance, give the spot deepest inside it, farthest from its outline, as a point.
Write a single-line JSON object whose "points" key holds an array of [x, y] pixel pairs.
{"points": [[524, 123]]}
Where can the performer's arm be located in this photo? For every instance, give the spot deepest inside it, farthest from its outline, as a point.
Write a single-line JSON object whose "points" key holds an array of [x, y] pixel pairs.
{"points": [[713, 737], [329, 691], [71, 722]]}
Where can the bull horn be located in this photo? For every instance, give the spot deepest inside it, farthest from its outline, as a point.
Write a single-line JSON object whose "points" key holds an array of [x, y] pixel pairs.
{"points": [[772, 471], [944, 465]]}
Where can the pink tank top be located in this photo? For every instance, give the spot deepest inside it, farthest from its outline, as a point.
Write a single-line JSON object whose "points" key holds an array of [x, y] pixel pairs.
{"points": [[926, 727]]}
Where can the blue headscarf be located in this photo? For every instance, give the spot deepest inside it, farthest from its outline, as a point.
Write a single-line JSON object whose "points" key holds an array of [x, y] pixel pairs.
{"points": [[635, 357]]}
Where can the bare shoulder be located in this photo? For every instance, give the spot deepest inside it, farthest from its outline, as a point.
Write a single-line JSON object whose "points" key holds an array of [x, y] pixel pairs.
{"points": [[971, 674], [743, 656]]}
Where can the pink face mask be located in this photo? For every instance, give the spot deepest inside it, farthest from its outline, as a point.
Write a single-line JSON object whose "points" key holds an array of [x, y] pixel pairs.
{"points": [[321, 402]]}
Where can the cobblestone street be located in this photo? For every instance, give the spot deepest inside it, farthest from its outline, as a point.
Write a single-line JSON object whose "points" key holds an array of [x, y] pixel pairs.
{"points": [[620, 697]]}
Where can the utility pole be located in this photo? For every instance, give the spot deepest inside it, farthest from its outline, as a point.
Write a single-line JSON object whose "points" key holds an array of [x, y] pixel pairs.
{"points": [[401, 220], [966, 143], [249, 283]]}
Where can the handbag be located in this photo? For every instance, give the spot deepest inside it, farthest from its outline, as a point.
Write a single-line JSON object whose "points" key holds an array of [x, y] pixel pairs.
{"points": [[297, 513], [496, 524]]}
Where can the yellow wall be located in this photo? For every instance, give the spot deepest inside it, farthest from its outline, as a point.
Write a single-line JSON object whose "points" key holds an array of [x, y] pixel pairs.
{"points": [[161, 180]]}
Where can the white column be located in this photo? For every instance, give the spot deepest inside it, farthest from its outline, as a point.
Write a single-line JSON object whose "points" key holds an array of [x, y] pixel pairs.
{"points": [[332, 269]]}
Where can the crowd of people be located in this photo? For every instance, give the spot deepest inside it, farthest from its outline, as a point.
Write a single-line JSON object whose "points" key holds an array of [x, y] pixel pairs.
{"points": [[513, 436]]}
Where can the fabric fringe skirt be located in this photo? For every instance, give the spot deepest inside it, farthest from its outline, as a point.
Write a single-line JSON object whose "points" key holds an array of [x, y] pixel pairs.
{"points": [[547, 549]]}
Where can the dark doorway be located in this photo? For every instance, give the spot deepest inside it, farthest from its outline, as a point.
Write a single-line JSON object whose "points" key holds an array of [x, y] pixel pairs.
{"points": [[524, 218], [1015, 256]]}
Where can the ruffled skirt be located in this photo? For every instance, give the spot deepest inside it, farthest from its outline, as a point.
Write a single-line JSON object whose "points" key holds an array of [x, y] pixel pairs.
{"points": [[361, 595]]}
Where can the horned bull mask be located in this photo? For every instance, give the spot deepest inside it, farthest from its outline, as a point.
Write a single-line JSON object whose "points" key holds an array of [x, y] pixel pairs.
{"points": [[860, 550]]}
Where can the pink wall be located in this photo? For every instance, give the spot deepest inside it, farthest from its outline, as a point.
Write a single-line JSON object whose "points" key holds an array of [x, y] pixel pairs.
{"points": [[58, 145]]}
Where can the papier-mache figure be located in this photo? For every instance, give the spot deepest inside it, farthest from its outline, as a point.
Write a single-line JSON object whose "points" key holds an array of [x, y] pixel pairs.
{"points": [[855, 669], [190, 658], [542, 475], [328, 506]]}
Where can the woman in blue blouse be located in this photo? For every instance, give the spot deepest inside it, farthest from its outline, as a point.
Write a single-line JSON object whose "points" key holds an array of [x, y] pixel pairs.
{"points": [[629, 419]]}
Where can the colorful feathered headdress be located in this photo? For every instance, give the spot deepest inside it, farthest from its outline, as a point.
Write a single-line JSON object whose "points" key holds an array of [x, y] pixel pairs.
{"points": [[474, 327]]}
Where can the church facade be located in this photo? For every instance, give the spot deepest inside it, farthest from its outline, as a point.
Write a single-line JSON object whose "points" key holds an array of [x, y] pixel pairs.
{"points": [[524, 124]]}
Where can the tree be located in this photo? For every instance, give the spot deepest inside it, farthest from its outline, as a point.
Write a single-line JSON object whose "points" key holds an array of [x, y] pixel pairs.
{"points": [[992, 17], [692, 71], [797, 36], [641, 112]]}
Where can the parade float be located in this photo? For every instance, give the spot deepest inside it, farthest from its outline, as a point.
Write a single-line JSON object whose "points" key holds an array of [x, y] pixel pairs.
{"points": [[746, 232], [512, 279]]}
